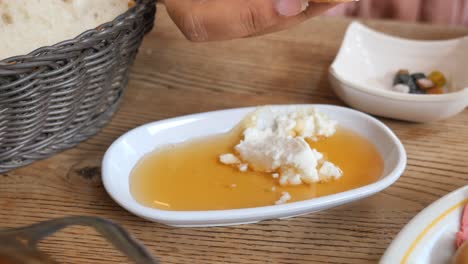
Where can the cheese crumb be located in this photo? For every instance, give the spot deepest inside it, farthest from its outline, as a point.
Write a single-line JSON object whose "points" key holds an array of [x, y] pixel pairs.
{"points": [[243, 167], [275, 175], [329, 171], [229, 159], [285, 196]]}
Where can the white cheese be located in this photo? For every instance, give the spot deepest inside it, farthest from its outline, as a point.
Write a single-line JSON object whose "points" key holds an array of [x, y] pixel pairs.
{"points": [[329, 171], [229, 159], [243, 167], [305, 122], [285, 196], [274, 141]]}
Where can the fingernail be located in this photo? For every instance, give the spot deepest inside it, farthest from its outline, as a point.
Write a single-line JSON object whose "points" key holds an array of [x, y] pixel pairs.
{"points": [[290, 7]]}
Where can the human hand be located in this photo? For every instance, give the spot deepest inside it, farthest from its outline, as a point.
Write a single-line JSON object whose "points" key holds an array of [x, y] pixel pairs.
{"points": [[210, 20]]}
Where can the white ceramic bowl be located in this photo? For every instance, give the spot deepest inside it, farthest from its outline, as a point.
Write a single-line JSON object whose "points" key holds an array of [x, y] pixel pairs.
{"points": [[430, 236], [126, 151], [362, 74]]}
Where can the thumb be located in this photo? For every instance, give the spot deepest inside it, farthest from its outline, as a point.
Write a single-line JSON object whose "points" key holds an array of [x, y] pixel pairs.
{"points": [[207, 20]]}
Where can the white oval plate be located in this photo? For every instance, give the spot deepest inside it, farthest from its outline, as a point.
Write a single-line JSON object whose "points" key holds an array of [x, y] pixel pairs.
{"points": [[430, 236], [126, 151]]}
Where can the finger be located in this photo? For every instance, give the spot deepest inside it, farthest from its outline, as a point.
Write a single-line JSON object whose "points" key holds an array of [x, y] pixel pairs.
{"points": [[205, 20], [314, 9]]}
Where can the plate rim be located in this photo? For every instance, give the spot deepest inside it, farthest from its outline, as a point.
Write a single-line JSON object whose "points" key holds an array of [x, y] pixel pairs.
{"points": [[401, 238]]}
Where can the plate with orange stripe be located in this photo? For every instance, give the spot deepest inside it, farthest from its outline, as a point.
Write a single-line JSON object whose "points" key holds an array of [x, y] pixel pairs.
{"points": [[430, 236]]}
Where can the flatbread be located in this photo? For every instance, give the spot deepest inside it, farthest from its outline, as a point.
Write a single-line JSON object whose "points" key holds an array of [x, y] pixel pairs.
{"points": [[26, 25]]}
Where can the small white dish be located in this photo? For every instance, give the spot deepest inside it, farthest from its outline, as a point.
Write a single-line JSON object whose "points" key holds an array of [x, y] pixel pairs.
{"points": [[126, 151], [362, 74], [430, 236]]}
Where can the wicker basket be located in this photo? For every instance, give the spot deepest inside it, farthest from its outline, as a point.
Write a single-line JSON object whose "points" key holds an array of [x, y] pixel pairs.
{"points": [[58, 96]]}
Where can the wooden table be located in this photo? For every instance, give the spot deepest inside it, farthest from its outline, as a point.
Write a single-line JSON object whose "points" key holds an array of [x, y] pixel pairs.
{"points": [[173, 77]]}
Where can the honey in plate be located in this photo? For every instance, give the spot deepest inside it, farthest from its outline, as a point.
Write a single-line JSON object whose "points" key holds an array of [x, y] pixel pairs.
{"points": [[189, 177]]}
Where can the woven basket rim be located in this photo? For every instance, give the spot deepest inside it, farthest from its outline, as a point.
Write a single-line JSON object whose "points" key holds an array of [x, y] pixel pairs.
{"points": [[37, 52]]}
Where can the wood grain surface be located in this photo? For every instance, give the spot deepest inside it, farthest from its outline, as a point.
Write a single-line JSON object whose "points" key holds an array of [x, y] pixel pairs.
{"points": [[173, 77]]}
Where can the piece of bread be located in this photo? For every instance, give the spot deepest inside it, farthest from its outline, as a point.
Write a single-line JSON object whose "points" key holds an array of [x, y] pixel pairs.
{"points": [[26, 25]]}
